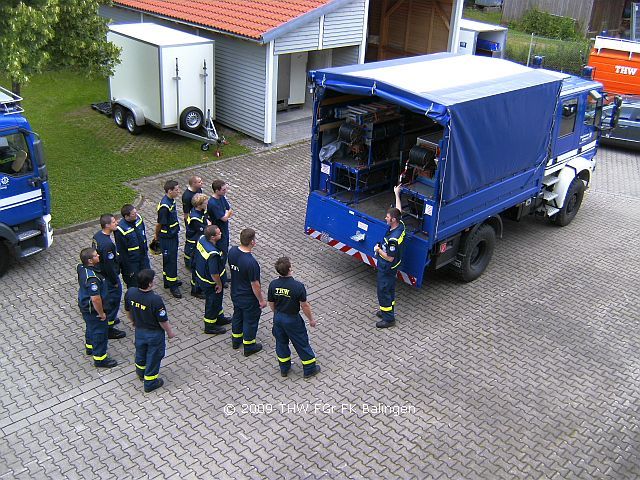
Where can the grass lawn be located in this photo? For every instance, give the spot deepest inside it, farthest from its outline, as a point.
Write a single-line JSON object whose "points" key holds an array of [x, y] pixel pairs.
{"points": [[88, 157], [490, 15]]}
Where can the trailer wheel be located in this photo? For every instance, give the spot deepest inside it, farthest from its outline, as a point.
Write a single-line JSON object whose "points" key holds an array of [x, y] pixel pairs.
{"points": [[204, 147], [4, 258], [191, 119], [572, 203], [477, 251], [131, 123], [118, 116]]}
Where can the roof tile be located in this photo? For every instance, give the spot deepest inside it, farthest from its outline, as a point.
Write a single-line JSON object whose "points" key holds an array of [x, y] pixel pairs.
{"points": [[249, 18]]}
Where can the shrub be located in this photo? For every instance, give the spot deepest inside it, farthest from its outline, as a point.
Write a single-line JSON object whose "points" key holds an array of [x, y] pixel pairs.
{"points": [[547, 25]]}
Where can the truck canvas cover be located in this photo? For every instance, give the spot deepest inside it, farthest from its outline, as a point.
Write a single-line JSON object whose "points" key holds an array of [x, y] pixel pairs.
{"points": [[478, 100]]}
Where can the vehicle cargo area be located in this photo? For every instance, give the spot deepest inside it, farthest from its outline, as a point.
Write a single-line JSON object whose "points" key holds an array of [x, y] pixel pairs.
{"points": [[366, 146]]}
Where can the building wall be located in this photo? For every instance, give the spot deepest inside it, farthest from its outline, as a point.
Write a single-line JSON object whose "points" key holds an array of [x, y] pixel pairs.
{"points": [[344, 56], [580, 10]]}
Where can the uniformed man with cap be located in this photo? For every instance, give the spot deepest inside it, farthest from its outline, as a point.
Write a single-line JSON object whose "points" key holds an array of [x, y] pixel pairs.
{"points": [[131, 241], [166, 231], [92, 291], [149, 316], [109, 267]]}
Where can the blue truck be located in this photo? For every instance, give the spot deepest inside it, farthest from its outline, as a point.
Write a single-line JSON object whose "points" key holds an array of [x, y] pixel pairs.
{"points": [[472, 141], [25, 202]]}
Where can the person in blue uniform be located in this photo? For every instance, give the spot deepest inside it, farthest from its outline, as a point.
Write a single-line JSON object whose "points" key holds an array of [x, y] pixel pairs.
{"points": [[220, 211], [148, 314], [246, 294], [286, 296], [210, 275], [167, 230], [109, 267], [196, 223], [389, 256], [194, 186], [131, 242], [92, 291]]}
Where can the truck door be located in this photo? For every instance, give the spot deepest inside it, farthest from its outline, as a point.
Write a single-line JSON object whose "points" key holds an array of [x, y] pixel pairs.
{"points": [[567, 130], [21, 197]]}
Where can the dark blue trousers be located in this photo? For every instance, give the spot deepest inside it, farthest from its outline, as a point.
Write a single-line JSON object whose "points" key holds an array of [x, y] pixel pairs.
{"points": [[112, 302], [96, 335], [169, 248], [212, 306], [150, 349], [291, 328], [387, 293], [244, 323]]}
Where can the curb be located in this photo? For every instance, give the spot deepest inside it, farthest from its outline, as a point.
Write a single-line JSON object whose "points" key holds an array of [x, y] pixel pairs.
{"points": [[139, 200]]}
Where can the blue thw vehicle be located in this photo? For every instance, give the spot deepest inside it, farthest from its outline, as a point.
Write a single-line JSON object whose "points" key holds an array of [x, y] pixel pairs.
{"points": [[472, 139], [25, 202]]}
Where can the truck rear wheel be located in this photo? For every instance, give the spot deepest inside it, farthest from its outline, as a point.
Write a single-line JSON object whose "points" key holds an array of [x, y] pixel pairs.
{"points": [[477, 250], [4, 258], [118, 116], [572, 203], [191, 119], [131, 123]]}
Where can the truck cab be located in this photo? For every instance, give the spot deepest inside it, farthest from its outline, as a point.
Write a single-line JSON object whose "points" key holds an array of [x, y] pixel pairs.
{"points": [[25, 204]]}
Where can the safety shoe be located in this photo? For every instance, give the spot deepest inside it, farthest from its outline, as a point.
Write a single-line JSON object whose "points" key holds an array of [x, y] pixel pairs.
{"points": [[115, 334], [285, 373], [175, 292], [198, 295], [379, 314], [106, 363], [313, 373], [178, 283], [236, 345], [88, 351], [223, 321], [214, 330], [385, 324], [255, 349], [156, 385]]}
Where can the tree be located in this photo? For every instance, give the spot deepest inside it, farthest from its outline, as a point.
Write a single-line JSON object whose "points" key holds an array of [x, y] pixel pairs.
{"points": [[36, 34]]}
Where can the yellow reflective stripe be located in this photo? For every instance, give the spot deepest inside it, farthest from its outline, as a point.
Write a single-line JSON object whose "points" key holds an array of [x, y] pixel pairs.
{"points": [[111, 322], [173, 225], [203, 251], [223, 271], [221, 312], [393, 303], [308, 362], [191, 241], [236, 335], [208, 320], [98, 359], [150, 377], [124, 232], [167, 277], [396, 265], [386, 309], [133, 248], [141, 367], [204, 279], [248, 342], [163, 231], [280, 359], [401, 238], [187, 256], [160, 205], [86, 345]]}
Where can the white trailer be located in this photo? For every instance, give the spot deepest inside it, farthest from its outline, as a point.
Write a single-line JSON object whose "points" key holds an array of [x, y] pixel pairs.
{"points": [[166, 78]]}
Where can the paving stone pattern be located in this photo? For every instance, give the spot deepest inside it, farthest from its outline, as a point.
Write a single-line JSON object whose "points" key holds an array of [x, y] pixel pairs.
{"points": [[532, 371]]}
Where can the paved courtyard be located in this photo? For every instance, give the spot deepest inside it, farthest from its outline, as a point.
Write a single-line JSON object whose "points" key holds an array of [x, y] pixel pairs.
{"points": [[532, 371]]}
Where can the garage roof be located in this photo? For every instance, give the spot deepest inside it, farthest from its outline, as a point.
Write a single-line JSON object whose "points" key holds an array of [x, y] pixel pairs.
{"points": [[261, 20]]}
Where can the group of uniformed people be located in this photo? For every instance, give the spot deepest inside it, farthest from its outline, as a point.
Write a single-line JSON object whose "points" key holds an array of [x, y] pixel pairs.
{"points": [[206, 254]]}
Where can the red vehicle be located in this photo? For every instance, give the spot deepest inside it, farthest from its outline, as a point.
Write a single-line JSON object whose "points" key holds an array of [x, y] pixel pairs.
{"points": [[616, 65]]}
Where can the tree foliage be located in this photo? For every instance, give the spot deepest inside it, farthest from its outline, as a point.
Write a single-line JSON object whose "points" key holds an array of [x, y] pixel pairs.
{"points": [[39, 34]]}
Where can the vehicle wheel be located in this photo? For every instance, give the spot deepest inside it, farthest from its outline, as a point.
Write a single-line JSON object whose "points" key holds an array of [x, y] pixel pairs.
{"points": [[204, 147], [191, 119], [477, 250], [118, 116], [4, 258], [131, 123], [572, 203]]}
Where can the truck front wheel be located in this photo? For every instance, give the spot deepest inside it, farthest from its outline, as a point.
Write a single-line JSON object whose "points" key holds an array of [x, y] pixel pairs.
{"points": [[191, 119], [4, 258], [476, 250], [572, 203]]}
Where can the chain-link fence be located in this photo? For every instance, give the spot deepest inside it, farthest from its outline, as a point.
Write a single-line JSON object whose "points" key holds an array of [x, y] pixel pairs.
{"points": [[561, 55]]}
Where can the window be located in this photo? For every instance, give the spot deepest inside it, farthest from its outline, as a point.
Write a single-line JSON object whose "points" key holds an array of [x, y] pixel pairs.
{"points": [[593, 110], [14, 155], [568, 119]]}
